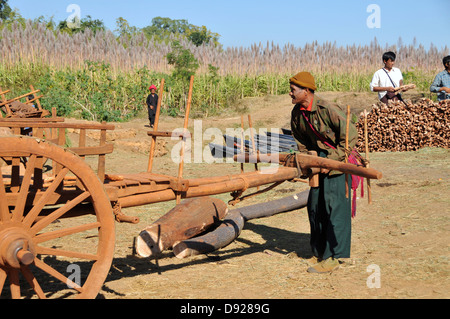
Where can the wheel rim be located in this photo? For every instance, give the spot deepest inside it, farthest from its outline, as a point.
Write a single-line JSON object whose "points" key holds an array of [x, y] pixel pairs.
{"points": [[43, 253]]}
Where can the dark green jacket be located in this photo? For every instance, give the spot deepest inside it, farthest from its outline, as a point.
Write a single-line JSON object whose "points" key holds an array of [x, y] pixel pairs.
{"points": [[330, 121]]}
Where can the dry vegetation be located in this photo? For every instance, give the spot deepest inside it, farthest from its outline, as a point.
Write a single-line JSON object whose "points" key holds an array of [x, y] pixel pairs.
{"points": [[34, 43]]}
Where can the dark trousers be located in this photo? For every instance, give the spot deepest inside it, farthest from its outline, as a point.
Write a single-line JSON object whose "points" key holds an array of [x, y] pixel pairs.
{"points": [[329, 213], [151, 115]]}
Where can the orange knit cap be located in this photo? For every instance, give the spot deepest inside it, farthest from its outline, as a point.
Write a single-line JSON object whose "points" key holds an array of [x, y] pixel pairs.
{"points": [[304, 79]]}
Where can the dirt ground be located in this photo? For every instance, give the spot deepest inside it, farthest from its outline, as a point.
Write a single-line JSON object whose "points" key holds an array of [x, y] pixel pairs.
{"points": [[400, 247]]}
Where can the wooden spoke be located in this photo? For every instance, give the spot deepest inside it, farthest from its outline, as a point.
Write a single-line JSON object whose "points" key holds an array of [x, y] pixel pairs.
{"points": [[4, 210], [3, 276], [24, 188], [32, 281], [56, 274], [65, 232], [66, 253], [14, 283], [34, 212], [58, 213]]}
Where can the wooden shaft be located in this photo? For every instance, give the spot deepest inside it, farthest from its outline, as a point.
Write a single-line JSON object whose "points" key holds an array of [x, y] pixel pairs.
{"points": [[155, 128], [308, 161], [38, 103], [242, 141], [185, 126], [102, 157], [41, 124], [369, 190], [212, 187], [253, 140]]}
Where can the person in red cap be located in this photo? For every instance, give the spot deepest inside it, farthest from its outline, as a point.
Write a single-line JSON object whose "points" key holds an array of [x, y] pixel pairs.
{"points": [[152, 104]]}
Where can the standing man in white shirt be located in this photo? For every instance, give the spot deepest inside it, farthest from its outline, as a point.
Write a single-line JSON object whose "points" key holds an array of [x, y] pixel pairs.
{"points": [[385, 80]]}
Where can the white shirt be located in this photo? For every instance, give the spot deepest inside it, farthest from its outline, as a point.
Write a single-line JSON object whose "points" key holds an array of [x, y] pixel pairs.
{"points": [[381, 79]]}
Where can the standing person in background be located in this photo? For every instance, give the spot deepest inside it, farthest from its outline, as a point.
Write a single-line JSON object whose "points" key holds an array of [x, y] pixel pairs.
{"points": [[152, 104], [385, 80], [441, 83]]}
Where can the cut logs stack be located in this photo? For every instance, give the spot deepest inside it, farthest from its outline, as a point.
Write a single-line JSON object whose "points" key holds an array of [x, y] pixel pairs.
{"points": [[397, 127]]}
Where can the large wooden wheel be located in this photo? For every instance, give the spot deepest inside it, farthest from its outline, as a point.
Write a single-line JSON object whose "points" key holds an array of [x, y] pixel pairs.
{"points": [[42, 253]]}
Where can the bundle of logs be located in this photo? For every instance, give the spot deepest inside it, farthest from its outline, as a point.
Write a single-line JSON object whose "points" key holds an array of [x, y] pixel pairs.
{"points": [[397, 127]]}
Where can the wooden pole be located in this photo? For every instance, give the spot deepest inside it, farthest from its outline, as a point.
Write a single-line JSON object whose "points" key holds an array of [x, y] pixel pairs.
{"points": [[155, 128], [369, 189], [346, 148], [185, 126], [242, 141], [253, 141], [309, 161]]}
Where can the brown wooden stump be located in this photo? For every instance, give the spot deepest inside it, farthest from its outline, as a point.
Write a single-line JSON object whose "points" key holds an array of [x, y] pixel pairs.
{"points": [[186, 220], [233, 223]]}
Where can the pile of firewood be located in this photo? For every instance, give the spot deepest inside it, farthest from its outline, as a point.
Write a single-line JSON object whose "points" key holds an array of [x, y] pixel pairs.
{"points": [[397, 127]]}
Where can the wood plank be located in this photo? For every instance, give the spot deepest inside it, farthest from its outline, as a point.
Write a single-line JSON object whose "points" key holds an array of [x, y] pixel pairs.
{"points": [[88, 126], [168, 134], [26, 121], [93, 150]]}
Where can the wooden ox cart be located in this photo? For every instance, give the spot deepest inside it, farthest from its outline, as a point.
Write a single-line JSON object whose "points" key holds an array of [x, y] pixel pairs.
{"points": [[50, 197], [26, 105]]}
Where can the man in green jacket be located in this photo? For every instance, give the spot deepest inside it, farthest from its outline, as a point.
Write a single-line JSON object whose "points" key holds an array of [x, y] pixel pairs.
{"points": [[320, 126]]}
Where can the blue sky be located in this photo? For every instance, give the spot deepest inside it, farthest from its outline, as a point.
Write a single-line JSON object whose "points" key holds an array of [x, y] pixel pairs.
{"points": [[245, 22]]}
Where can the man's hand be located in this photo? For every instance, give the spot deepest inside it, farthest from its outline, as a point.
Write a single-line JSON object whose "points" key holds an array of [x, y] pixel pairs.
{"points": [[390, 89], [446, 90]]}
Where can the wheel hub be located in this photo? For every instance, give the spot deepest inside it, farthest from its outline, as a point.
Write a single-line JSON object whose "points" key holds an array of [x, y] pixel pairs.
{"points": [[16, 248]]}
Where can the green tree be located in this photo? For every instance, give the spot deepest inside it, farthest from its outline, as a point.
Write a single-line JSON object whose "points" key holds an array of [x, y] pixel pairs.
{"points": [[86, 23], [162, 28], [5, 10], [124, 29], [184, 62], [165, 26], [185, 65], [200, 35]]}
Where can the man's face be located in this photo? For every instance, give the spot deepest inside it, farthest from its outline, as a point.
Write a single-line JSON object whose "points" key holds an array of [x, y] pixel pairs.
{"points": [[389, 64], [297, 94], [153, 91]]}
